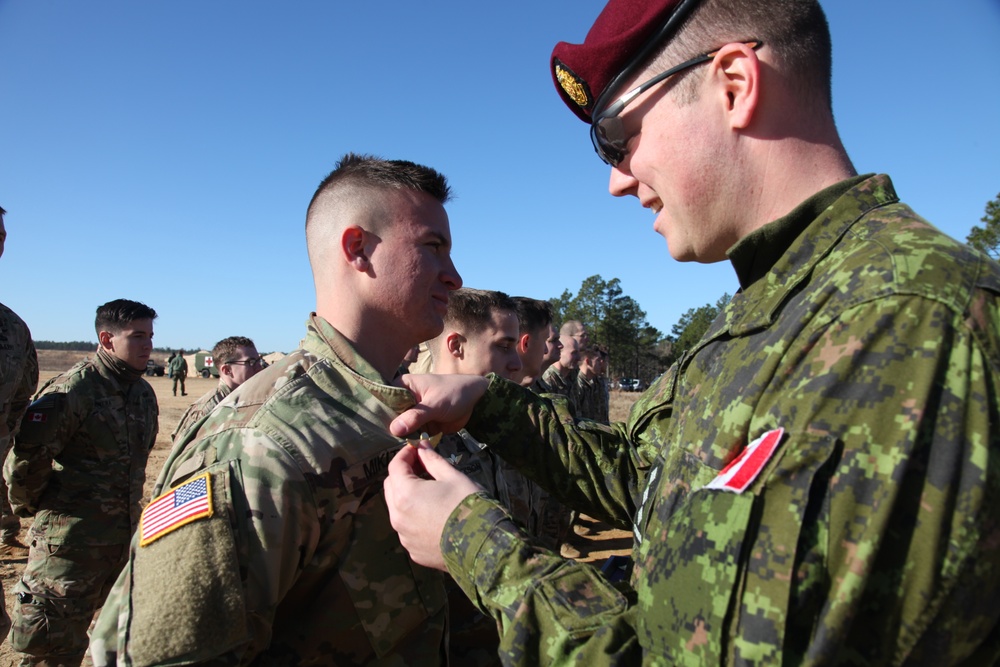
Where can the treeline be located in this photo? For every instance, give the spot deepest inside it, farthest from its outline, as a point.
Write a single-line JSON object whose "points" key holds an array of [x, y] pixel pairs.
{"points": [[81, 345], [614, 319]]}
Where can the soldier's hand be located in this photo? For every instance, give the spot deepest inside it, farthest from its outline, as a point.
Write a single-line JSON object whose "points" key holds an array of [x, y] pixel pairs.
{"points": [[444, 403], [422, 491]]}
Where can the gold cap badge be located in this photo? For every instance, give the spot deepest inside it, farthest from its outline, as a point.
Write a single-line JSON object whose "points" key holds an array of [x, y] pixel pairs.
{"points": [[574, 86]]}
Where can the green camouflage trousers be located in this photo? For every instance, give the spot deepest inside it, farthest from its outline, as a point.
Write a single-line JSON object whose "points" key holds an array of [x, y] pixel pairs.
{"points": [[61, 588]]}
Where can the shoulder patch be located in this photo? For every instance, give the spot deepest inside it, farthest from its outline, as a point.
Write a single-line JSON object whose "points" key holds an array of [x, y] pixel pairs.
{"points": [[179, 506], [41, 419], [743, 470]]}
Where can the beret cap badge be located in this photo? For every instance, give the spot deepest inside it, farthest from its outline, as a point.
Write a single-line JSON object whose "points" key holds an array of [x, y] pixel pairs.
{"points": [[574, 87]]}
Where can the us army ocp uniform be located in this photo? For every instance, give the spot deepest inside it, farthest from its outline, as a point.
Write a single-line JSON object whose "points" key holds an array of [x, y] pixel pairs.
{"points": [[297, 561], [78, 467]]}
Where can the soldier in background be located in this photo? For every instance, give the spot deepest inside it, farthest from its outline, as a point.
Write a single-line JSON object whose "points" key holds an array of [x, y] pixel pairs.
{"points": [[18, 381], [591, 393], [177, 369], [818, 481], [480, 336], [535, 319], [553, 350], [78, 467], [560, 378], [237, 359], [287, 555]]}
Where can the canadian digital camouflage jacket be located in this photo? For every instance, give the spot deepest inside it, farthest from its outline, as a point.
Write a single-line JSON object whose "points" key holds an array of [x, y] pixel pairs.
{"points": [[291, 558], [78, 464], [863, 351]]}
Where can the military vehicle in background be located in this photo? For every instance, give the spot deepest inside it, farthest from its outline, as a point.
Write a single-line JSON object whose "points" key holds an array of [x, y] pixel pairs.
{"points": [[201, 363], [154, 368]]}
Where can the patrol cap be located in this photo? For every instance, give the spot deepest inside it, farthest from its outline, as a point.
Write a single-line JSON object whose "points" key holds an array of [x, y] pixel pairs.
{"points": [[621, 40]]}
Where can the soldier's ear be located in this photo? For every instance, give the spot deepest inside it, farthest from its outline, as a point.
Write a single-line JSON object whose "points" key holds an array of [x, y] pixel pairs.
{"points": [[352, 244], [104, 339], [455, 343], [522, 343]]}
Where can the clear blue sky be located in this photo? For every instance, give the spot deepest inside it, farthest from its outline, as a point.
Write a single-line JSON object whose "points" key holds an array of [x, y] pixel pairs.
{"points": [[166, 151]]}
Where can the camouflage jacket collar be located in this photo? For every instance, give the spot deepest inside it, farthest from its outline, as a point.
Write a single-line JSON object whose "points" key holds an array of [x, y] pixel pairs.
{"points": [[756, 304], [756, 253], [323, 340]]}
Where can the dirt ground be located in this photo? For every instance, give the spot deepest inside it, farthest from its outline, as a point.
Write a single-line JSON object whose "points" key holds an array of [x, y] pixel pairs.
{"points": [[596, 545]]}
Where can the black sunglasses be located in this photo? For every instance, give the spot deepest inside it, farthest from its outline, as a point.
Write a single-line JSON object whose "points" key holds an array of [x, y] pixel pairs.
{"points": [[606, 130]]}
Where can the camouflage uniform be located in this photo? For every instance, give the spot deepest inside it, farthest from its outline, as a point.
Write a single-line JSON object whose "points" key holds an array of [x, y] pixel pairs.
{"points": [[200, 408], [870, 535], [591, 398], [558, 384], [178, 370], [78, 466], [18, 381], [296, 562]]}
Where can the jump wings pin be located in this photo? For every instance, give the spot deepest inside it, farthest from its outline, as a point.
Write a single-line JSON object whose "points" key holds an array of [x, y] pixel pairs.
{"points": [[414, 441]]}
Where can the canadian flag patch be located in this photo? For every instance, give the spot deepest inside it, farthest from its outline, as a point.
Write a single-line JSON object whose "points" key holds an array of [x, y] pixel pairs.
{"points": [[37, 417], [743, 470]]}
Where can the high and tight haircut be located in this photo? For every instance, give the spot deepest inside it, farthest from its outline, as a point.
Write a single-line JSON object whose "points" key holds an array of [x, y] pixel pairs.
{"points": [[376, 172], [533, 314], [796, 32], [225, 350], [115, 315], [471, 310]]}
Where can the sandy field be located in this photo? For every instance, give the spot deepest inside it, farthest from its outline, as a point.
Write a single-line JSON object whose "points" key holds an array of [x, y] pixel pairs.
{"points": [[595, 546]]}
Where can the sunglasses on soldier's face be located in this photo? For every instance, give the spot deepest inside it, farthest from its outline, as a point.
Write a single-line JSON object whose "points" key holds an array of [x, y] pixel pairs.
{"points": [[607, 131]]}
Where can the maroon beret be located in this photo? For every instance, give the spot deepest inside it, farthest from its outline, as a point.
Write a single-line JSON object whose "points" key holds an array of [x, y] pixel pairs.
{"points": [[621, 39]]}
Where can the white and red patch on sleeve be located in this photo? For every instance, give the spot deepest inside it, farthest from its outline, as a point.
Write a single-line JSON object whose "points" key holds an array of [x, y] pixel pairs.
{"points": [[744, 469]]}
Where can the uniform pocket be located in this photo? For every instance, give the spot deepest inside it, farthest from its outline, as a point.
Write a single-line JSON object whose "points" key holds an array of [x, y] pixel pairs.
{"points": [[392, 595]]}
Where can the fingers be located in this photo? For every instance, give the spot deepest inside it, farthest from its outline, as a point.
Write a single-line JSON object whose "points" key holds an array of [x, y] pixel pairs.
{"points": [[409, 421]]}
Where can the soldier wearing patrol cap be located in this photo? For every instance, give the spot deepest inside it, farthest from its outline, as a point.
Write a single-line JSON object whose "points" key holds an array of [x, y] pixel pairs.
{"points": [[268, 539], [818, 480]]}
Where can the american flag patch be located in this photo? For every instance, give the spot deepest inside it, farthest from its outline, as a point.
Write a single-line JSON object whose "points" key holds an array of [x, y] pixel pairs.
{"points": [[743, 470], [181, 505]]}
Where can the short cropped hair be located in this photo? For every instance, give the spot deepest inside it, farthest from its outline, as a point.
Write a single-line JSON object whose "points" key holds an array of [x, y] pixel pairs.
{"points": [[2, 211], [115, 315], [350, 194], [225, 349], [532, 314], [796, 32], [572, 328], [472, 309]]}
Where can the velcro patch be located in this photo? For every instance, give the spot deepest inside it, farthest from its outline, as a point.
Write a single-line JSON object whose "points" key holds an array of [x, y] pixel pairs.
{"points": [[743, 470], [183, 504]]}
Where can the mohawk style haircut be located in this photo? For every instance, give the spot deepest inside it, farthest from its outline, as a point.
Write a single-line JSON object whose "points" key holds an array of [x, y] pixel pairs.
{"points": [[533, 314], [227, 349], [796, 32], [115, 315], [472, 309]]}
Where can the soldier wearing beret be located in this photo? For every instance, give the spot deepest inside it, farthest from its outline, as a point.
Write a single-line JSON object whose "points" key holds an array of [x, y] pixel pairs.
{"points": [[268, 539], [78, 466], [818, 480]]}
